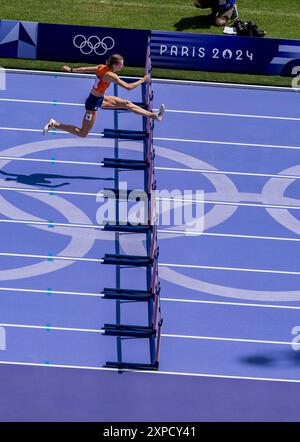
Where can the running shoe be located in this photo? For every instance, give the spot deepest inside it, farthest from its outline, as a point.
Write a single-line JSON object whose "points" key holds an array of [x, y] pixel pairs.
{"points": [[160, 114], [49, 125]]}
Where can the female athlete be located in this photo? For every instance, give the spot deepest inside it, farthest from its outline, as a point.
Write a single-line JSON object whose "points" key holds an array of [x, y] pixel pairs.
{"points": [[105, 74]]}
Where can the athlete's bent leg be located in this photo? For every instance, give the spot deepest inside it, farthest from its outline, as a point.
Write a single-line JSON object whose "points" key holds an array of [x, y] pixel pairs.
{"points": [[87, 125]]}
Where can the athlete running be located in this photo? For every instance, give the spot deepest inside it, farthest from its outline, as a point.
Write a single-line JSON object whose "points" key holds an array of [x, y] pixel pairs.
{"points": [[105, 74]]}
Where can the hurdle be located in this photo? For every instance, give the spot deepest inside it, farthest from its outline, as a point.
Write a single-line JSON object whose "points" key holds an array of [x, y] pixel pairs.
{"points": [[149, 262]]}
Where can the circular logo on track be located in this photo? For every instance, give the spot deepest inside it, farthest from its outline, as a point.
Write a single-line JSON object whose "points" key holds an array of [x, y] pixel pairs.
{"points": [[83, 239]]}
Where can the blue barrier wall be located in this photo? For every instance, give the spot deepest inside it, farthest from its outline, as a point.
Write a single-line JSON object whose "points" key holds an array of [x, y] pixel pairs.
{"points": [[87, 44], [174, 50], [18, 39], [247, 55], [79, 44]]}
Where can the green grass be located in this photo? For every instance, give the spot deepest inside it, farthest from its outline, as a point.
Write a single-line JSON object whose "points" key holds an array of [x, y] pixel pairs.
{"points": [[172, 15]]}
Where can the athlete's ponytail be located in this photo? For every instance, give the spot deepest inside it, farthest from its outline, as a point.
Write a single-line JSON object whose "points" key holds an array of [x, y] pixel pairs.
{"points": [[114, 59]]}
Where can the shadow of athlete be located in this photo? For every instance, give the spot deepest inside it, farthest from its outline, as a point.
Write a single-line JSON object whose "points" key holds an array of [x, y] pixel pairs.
{"points": [[43, 180]]}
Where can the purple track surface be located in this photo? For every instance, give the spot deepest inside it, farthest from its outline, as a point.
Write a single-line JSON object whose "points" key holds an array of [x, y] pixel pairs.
{"points": [[230, 296]]}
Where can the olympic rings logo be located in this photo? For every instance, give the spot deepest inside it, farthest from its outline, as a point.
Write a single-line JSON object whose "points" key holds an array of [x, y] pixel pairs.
{"points": [[93, 43]]}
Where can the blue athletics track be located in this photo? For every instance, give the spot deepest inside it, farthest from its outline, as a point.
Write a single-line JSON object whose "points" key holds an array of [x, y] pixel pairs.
{"points": [[230, 293]]}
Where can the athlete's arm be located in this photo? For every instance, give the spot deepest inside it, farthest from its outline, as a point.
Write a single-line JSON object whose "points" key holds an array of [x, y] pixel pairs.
{"points": [[84, 69], [129, 86]]}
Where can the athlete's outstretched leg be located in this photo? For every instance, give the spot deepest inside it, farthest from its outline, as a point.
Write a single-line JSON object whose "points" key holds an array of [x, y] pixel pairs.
{"points": [[111, 102], [87, 125]]}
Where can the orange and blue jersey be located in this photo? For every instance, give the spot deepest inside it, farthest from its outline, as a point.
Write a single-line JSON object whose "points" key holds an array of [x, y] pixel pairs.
{"points": [[94, 102], [100, 85]]}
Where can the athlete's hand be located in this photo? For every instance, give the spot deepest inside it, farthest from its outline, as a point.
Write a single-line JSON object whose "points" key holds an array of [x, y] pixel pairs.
{"points": [[66, 68], [146, 78]]}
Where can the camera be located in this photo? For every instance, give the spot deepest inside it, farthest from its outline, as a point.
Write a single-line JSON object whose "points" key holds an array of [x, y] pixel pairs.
{"points": [[248, 29]]}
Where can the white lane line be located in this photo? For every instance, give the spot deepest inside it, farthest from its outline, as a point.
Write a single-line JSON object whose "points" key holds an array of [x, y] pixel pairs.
{"points": [[179, 111], [230, 304], [20, 129], [50, 257], [231, 269], [53, 103], [49, 192], [183, 200], [182, 266], [180, 140], [150, 372], [158, 80], [226, 235], [167, 169], [223, 114], [52, 224], [163, 299], [224, 85], [228, 203], [51, 132], [214, 338], [52, 73], [49, 327], [53, 161], [226, 143], [226, 172], [50, 292]]}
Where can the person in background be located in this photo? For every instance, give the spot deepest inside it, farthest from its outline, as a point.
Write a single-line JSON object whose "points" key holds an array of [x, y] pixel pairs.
{"points": [[223, 10]]}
